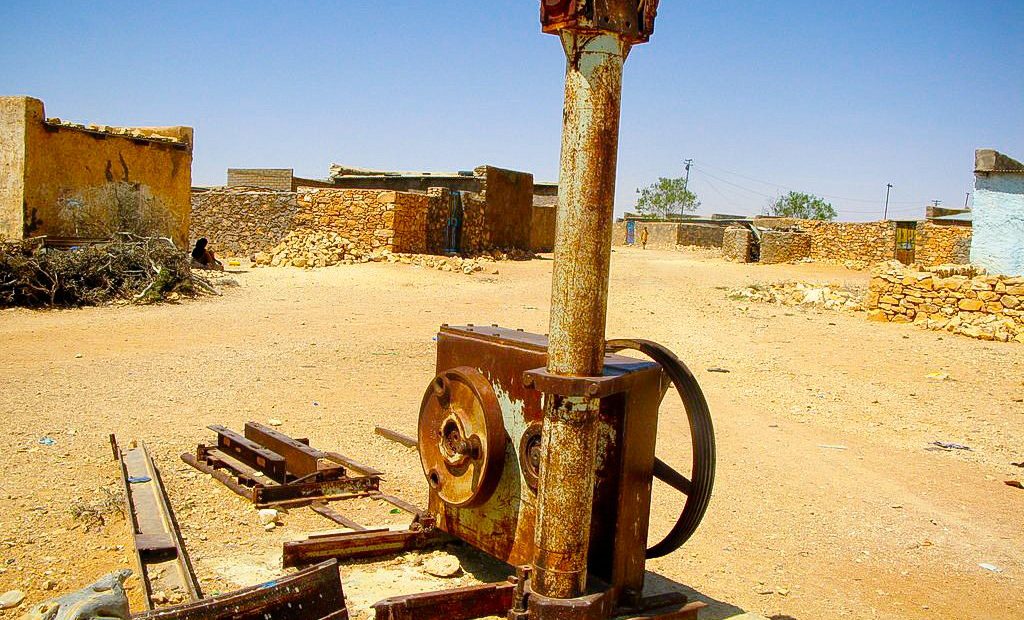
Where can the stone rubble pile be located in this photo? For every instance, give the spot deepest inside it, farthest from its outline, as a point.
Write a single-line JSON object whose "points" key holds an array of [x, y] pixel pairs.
{"points": [[311, 249], [954, 298], [828, 296]]}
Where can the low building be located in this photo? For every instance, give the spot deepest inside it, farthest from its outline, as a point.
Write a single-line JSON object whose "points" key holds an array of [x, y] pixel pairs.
{"points": [[998, 214], [61, 179], [469, 213]]}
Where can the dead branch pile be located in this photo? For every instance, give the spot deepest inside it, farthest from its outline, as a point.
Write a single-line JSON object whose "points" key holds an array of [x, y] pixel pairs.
{"points": [[132, 269]]}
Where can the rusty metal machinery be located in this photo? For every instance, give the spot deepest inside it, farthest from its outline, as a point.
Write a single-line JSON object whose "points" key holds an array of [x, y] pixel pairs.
{"points": [[540, 449]]}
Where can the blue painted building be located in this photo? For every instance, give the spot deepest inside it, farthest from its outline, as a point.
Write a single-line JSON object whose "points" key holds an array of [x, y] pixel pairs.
{"points": [[998, 214]]}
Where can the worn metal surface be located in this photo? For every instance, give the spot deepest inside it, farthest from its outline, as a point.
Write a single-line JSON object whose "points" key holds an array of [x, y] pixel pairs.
{"points": [[590, 134], [461, 437], [395, 436], [300, 458], [494, 599], [360, 544], [312, 594], [160, 553], [504, 526], [301, 475], [633, 20]]}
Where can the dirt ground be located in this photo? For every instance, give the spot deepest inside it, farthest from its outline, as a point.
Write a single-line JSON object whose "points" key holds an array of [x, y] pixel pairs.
{"points": [[829, 500]]}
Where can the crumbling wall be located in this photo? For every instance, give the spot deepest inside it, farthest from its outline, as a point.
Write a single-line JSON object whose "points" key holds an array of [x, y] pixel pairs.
{"points": [[784, 246], [738, 244], [95, 180], [942, 245], [13, 114], [241, 222], [950, 298]]}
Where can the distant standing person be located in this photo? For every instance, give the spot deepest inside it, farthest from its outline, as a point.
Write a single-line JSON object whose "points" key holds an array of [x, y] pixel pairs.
{"points": [[203, 258], [643, 237]]}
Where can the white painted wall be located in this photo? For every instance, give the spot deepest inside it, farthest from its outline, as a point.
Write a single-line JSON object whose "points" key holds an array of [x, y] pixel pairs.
{"points": [[998, 241]]}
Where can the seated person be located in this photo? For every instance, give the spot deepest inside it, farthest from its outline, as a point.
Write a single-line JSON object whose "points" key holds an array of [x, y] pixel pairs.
{"points": [[203, 258]]}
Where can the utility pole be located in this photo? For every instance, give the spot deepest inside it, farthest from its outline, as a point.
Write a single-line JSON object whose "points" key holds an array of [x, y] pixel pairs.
{"points": [[686, 183], [966, 199], [885, 212]]}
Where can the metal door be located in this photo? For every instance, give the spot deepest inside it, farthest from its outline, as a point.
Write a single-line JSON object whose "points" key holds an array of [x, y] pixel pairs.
{"points": [[906, 235], [453, 229], [630, 232]]}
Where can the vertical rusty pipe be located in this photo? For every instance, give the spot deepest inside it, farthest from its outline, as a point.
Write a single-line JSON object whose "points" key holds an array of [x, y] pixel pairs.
{"points": [[579, 294], [586, 196]]}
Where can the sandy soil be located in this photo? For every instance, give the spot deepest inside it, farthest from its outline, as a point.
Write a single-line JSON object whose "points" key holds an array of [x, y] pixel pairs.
{"points": [[828, 501]]}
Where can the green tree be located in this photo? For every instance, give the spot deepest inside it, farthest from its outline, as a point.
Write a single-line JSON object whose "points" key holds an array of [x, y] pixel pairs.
{"points": [[802, 206], [665, 197]]}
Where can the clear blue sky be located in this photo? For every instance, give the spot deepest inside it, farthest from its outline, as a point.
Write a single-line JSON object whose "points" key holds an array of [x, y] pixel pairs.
{"points": [[832, 98]]}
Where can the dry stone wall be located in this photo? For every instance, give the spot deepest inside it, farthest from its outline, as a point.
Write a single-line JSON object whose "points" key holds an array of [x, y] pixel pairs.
{"points": [[784, 246], [953, 298], [366, 218], [240, 222], [941, 245], [859, 242], [738, 244], [700, 235]]}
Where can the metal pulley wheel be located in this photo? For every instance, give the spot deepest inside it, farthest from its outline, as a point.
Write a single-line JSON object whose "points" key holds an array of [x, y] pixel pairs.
{"points": [[697, 488], [461, 437]]}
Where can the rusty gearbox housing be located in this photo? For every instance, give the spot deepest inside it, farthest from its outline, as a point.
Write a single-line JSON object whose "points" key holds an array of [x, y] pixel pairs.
{"points": [[501, 518]]}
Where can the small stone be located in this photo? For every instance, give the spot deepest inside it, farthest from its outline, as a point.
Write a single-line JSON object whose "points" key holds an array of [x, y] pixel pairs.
{"points": [[78, 356], [442, 565], [274, 422], [268, 515], [12, 598], [269, 527]]}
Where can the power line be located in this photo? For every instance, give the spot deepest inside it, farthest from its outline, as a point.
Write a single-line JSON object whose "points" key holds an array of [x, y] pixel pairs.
{"points": [[743, 176]]}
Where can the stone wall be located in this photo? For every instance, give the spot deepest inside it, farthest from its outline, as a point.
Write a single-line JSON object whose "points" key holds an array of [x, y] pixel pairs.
{"points": [[700, 235], [950, 298], [277, 179], [241, 222], [500, 215], [367, 218], [784, 246], [437, 219], [861, 242], [69, 180], [941, 245], [738, 244]]}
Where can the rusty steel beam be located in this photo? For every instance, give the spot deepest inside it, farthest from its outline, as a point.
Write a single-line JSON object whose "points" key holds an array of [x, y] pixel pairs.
{"points": [[250, 453], [300, 459], [357, 545], [396, 437], [492, 599], [312, 594]]}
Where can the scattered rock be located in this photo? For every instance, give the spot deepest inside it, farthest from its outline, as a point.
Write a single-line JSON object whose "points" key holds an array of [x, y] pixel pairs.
{"points": [[268, 515], [274, 422], [12, 598], [788, 293]]}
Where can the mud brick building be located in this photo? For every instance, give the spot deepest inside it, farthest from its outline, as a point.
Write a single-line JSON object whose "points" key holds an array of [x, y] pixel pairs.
{"points": [[62, 179]]}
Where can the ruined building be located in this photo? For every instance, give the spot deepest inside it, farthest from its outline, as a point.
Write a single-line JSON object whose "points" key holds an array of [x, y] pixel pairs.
{"points": [[59, 179]]}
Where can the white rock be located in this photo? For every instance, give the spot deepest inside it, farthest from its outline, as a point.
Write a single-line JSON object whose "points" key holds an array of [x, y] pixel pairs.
{"points": [[268, 515], [12, 598]]}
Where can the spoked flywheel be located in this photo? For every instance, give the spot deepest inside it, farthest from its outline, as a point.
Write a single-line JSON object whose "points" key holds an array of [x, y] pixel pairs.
{"points": [[697, 488]]}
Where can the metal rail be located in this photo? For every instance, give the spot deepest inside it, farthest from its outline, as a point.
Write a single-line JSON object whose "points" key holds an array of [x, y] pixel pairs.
{"points": [[163, 563]]}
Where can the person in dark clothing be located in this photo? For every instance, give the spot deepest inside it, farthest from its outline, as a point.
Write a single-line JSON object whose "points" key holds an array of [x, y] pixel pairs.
{"points": [[203, 258]]}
